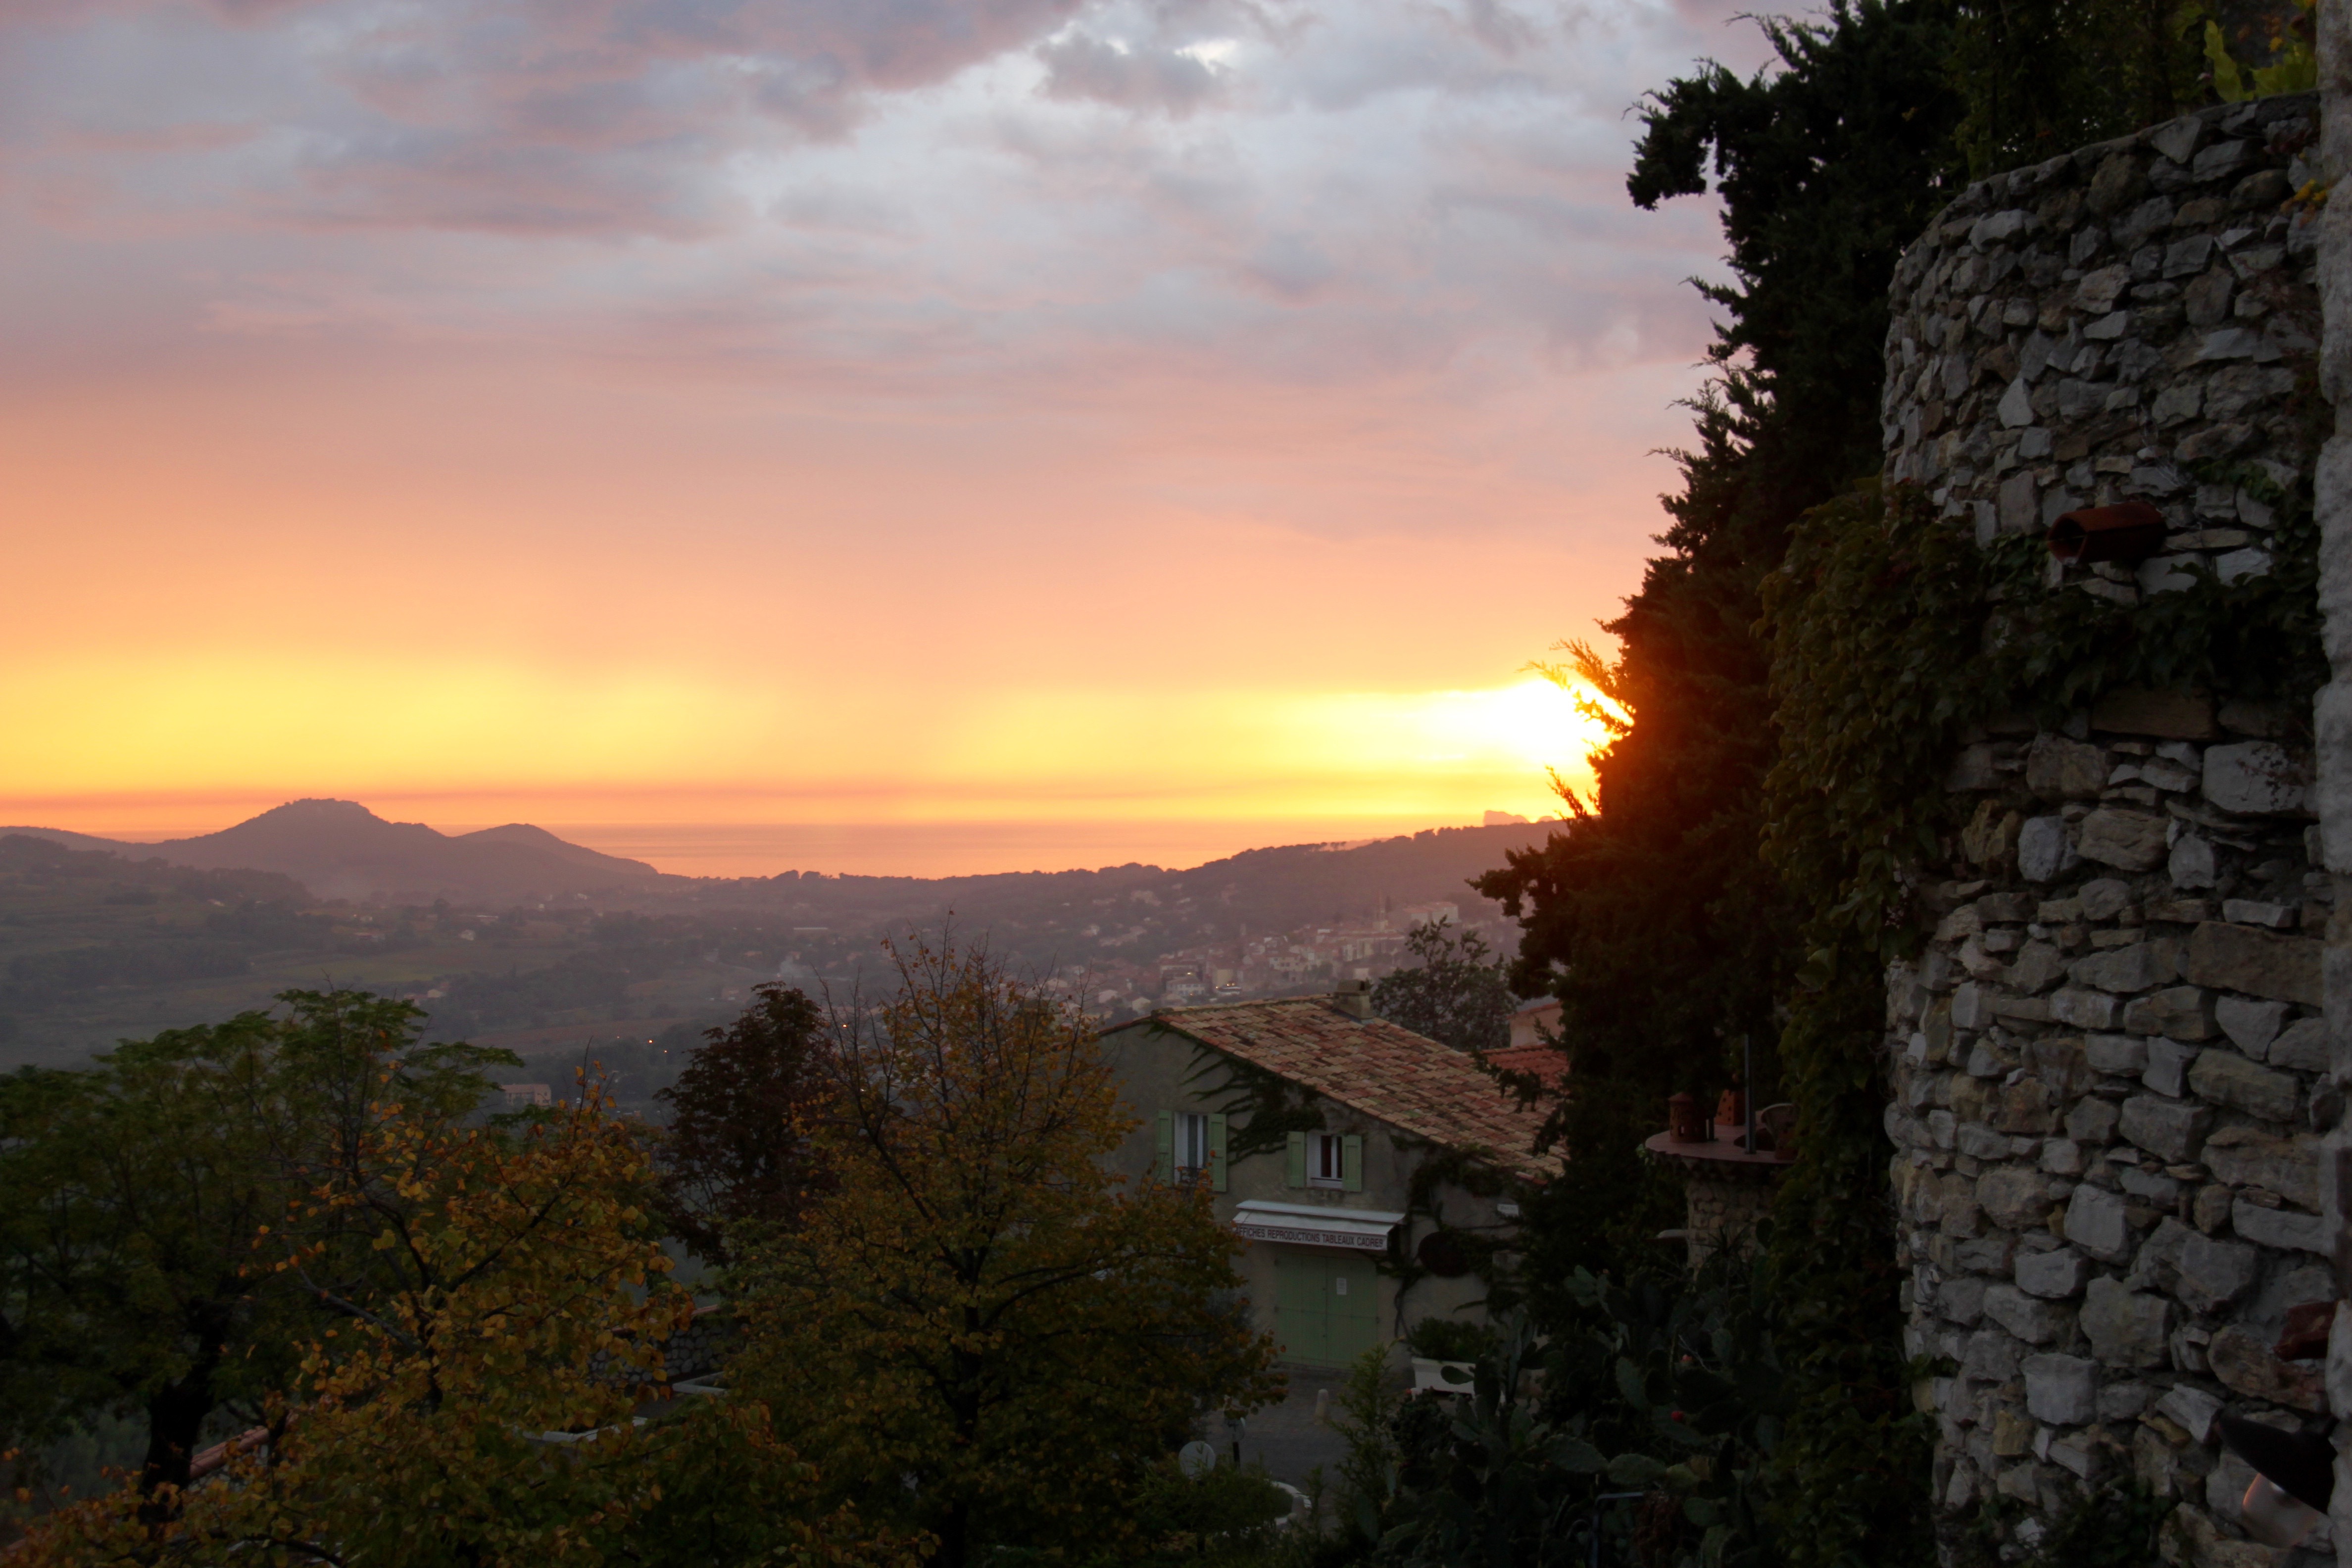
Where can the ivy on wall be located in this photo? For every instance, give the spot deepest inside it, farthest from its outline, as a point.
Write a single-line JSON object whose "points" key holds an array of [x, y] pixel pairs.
{"points": [[1891, 632]]}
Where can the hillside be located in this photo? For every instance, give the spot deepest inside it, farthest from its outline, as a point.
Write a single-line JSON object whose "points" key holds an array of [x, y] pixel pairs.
{"points": [[340, 849], [97, 946]]}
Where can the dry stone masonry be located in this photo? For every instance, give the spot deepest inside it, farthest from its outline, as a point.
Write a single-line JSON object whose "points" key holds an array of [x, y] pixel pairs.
{"points": [[2111, 1071], [2099, 327]]}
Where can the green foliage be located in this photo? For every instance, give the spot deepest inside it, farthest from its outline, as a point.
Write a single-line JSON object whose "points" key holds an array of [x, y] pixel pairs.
{"points": [[1654, 918], [1225, 1519], [132, 1195], [1456, 994], [2294, 57], [1450, 1339], [1890, 633], [736, 1150], [2044, 76], [1666, 1389], [1365, 1491], [984, 1330]]}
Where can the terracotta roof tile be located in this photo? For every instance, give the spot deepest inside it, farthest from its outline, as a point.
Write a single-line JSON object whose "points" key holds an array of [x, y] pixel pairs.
{"points": [[1548, 1063], [1369, 1065]]}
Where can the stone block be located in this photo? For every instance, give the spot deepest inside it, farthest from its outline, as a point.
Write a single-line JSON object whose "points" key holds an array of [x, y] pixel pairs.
{"points": [[2258, 912], [2062, 1390], [2246, 1157], [2084, 1009], [2038, 967], [2029, 1317], [2059, 769], [2103, 897], [2168, 1065], [2059, 1063], [1979, 1142], [2098, 1222], [2127, 1328], [2251, 1025], [2302, 1045], [2190, 1409], [2169, 1128], [2062, 1156], [2258, 962], [2052, 1275], [2192, 862], [1970, 1007], [1962, 1299], [2092, 1121], [1989, 1356], [2283, 1229], [2244, 1363], [2212, 1274], [2141, 966], [2225, 1077], [2013, 1197], [2183, 1012], [2167, 715], [2122, 1401], [2256, 777], [2027, 1109], [2127, 840], [2118, 1056], [2044, 850]]}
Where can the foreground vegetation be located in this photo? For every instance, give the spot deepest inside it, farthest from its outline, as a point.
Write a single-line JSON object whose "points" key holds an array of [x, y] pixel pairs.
{"points": [[444, 1333]]}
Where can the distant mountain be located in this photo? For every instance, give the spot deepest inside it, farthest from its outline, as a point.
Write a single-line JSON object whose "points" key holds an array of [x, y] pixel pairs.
{"points": [[341, 849]]}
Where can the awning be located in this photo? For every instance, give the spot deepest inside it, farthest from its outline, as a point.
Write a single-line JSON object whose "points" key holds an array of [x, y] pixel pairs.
{"points": [[1301, 1225]]}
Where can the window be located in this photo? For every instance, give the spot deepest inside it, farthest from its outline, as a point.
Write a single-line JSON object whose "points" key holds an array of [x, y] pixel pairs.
{"points": [[1326, 1163], [1191, 1153]]}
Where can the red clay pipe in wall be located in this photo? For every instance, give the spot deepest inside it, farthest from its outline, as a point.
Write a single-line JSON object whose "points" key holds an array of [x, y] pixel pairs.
{"points": [[2129, 532]]}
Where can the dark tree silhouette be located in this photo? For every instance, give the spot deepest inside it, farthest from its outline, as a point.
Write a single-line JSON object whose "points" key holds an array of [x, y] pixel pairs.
{"points": [[738, 1148]]}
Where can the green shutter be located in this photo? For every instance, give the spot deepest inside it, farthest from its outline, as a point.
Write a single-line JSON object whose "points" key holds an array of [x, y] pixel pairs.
{"points": [[1217, 1151], [1351, 1163], [1296, 1174], [1164, 1167]]}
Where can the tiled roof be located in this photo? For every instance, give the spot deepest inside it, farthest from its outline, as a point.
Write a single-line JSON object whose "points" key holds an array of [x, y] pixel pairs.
{"points": [[1546, 1064], [1369, 1065]]}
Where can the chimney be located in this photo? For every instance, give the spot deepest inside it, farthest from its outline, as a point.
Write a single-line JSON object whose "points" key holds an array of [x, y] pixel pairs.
{"points": [[1354, 998]]}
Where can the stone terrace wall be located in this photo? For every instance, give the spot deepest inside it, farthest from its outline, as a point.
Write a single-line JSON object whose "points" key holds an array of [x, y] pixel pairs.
{"points": [[2109, 1067], [2091, 328]]}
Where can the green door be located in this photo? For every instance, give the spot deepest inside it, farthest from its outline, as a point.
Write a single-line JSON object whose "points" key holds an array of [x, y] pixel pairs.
{"points": [[1326, 1305]]}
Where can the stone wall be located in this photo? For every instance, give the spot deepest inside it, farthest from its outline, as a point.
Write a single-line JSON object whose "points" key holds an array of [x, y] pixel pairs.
{"points": [[2094, 328], [2111, 1072], [2332, 496]]}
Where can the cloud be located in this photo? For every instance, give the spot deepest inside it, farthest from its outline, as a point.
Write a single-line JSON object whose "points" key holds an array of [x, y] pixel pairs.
{"points": [[1173, 80]]}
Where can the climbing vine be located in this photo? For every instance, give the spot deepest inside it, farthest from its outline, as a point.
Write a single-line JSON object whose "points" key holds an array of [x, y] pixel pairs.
{"points": [[1890, 633]]}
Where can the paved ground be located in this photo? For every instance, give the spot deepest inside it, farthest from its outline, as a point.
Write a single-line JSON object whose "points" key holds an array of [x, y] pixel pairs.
{"points": [[1286, 1438]]}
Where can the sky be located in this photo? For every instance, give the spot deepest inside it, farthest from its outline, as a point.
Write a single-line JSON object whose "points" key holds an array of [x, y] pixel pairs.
{"points": [[1044, 428]]}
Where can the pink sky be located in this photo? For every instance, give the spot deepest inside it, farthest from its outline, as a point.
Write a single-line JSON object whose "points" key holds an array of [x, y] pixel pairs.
{"points": [[825, 411]]}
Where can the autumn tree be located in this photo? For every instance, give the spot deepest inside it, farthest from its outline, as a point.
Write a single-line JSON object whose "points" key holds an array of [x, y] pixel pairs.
{"points": [[476, 1403], [737, 1148], [130, 1194], [980, 1324]]}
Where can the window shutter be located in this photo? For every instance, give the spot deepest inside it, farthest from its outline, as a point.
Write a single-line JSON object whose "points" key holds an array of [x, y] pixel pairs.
{"points": [[1164, 1167], [1351, 1163], [1217, 1151], [1295, 1175]]}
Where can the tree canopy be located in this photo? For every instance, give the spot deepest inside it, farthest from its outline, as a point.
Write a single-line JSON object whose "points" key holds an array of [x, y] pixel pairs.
{"points": [[987, 1332]]}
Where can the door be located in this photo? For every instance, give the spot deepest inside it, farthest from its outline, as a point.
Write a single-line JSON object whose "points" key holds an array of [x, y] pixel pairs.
{"points": [[1326, 1305]]}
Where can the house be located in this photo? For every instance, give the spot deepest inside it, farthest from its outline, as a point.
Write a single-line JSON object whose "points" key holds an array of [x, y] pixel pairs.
{"points": [[1374, 1173]]}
